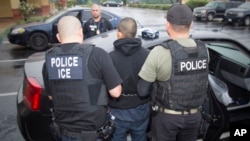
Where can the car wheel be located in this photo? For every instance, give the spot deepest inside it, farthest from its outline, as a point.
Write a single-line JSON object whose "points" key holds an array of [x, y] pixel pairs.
{"points": [[210, 17], [38, 41], [247, 21]]}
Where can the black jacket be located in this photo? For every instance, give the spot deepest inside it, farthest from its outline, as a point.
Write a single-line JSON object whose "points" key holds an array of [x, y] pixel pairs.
{"points": [[128, 58]]}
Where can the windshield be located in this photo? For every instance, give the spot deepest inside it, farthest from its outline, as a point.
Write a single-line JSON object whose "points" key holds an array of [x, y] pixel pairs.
{"points": [[230, 51], [211, 4], [245, 5]]}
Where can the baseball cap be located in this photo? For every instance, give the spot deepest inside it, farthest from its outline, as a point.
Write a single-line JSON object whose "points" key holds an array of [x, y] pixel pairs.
{"points": [[179, 14]]}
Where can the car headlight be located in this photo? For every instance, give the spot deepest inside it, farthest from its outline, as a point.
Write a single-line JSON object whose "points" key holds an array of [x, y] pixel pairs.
{"points": [[18, 31], [240, 14], [203, 11]]}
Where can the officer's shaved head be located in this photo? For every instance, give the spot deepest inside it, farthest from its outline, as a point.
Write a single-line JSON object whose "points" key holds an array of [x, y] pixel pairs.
{"points": [[127, 27], [96, 11], [69, 29]]}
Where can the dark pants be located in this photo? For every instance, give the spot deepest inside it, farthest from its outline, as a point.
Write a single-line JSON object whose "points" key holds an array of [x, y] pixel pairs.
{"points": [[169, 127], [66, 138], [137, 130]]}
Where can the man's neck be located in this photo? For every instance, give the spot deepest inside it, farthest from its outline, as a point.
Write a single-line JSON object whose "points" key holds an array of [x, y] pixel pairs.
{"points": [[97, 19], [177, 35]]}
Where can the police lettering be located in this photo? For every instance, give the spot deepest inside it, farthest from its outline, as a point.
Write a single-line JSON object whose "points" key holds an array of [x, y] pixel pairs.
{"points": [[64, 61], [65, 67], [193, 65], [64, 73]]}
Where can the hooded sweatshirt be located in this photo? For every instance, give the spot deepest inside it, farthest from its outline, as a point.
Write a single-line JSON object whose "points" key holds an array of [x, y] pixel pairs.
{"points": [[128, 58]]}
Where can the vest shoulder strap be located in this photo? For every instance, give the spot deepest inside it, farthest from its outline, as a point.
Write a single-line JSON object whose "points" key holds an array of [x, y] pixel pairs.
{"points": [[165, 43]]}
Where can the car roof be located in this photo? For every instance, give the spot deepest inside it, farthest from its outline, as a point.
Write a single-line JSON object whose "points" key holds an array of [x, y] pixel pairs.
{"points": [[107, 38]]}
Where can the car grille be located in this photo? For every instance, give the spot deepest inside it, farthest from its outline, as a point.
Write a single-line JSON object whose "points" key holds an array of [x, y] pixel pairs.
{"points": [[198, 12], [231, 14]]}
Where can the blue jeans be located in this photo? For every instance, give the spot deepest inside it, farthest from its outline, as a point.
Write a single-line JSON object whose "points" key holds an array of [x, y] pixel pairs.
{"points": [[65, 138], [136, 129]]}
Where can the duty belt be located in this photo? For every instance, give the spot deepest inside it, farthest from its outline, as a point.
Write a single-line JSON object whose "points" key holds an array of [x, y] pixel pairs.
{"points": [[174, 112], [79, 134]]}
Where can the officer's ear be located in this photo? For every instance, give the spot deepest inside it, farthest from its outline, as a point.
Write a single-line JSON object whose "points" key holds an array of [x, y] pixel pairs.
{"points": [[119, 34], [81, 33], [58, 37]]}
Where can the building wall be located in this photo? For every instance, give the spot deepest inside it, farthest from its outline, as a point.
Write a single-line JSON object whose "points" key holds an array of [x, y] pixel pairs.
{"points": [[5, 9], [10, 8]]}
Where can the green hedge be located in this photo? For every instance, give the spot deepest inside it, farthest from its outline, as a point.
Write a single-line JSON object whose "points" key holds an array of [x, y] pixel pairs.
{"points": [[151, 6], [196, 3], [191, 3]]}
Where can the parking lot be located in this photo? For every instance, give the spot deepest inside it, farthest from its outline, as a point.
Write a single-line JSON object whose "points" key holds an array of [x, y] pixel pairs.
{"points": [[12, 58]]}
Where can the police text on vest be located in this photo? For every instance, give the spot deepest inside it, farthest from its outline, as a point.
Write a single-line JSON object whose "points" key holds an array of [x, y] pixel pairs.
{"points": [[191, 65], [65, 67]]}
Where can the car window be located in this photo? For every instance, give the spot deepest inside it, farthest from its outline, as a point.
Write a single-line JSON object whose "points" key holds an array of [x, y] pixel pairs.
{"points": [[87, 15], [107, 16], [245, 5], [222, 5], [74, 13], [211, 4]]}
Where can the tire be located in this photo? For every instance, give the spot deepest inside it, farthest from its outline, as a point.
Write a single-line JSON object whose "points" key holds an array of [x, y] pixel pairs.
{"points": [[38, 41], [210, 17], [247, 21]]}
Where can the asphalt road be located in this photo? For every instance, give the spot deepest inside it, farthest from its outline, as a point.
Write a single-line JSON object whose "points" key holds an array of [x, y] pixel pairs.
{"points": [[12, 58]]}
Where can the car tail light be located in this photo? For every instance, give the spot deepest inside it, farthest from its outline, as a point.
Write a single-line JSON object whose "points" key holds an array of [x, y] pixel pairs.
{"points": [[32, 93]]}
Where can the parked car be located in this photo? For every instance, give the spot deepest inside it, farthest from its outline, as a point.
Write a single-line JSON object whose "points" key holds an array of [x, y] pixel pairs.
{"points": [[229, 62], [239, 15], [110, 3], [214, 9], [38, 35]]}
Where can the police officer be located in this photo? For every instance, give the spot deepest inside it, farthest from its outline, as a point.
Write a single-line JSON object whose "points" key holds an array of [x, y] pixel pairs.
{"points": [[96, 24], [131, 111], [76, 78], [177, 72]]}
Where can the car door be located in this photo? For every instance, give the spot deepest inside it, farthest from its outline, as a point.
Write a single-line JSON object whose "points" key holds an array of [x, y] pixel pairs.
{"points": [[221, 8], [76, 14]]}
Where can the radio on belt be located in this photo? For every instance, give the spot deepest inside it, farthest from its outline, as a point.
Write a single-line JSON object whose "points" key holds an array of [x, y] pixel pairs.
{"points": [[150, 34]]}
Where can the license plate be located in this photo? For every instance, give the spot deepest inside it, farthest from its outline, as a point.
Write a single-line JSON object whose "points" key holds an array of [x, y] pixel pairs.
{"points": [[230, 20]]}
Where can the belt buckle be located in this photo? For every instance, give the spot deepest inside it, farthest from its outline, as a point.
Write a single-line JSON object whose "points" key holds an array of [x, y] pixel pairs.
{"points": [[155, 108]]}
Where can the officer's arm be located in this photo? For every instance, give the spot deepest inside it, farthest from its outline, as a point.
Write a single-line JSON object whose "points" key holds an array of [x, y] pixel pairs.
{"points": [[116, 91], [144, 87], [46, 83]]}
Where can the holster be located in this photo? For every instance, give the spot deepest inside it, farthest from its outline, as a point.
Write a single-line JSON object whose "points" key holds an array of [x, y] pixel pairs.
{"points": [[56, 132], [107, 130]]}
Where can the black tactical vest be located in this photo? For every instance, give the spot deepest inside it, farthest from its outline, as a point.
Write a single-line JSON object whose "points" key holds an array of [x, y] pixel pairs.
{"points": [[71, 84], [187, 87]]}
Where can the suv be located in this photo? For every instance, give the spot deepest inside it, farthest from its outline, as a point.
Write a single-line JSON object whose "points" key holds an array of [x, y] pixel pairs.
{"points": [[214, 9], [240, 15]]}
